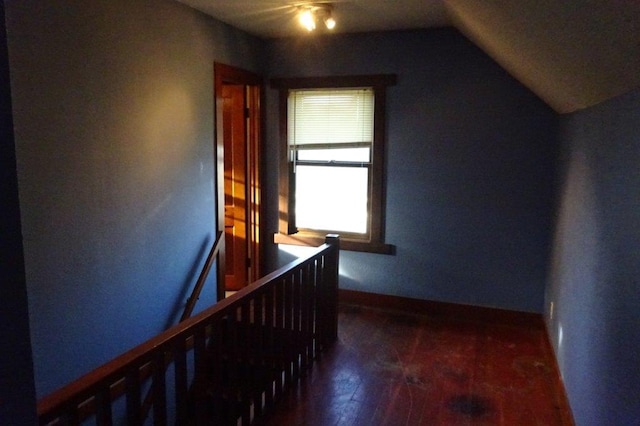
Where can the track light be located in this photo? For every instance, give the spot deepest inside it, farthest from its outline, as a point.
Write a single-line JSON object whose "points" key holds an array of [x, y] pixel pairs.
{"points": [[307, 20], [309, 15], [330, 23]]}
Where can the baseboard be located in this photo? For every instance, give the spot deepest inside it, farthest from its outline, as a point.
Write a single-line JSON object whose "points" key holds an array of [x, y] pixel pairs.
{"points": [[441, 309]]}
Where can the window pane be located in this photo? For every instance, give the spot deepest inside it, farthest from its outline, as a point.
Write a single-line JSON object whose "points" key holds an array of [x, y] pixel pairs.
{"points": [[332, 198], [360, 155]]}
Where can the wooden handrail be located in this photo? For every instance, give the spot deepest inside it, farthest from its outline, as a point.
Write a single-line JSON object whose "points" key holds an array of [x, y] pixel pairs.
{"points": [[247, 349], [197, 289], [147, 402]]}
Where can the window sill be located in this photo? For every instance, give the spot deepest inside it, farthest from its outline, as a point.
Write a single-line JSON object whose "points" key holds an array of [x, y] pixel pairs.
{"points": [[345, 244]]}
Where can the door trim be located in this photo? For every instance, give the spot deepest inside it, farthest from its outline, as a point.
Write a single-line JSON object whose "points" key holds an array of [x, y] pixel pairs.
{"points": [[227, 74]]}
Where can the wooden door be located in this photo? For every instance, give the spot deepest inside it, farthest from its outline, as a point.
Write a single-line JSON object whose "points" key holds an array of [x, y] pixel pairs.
{"points": [[238, 95], [235, 186]]}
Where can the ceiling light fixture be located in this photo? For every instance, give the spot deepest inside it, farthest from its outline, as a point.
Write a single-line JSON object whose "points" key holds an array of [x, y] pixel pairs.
{"points": [[310, 15], [307, 19]]}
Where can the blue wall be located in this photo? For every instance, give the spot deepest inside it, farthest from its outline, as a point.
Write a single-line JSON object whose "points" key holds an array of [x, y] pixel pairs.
{"points": [[593, 297], [470, 168], [113, 109]]}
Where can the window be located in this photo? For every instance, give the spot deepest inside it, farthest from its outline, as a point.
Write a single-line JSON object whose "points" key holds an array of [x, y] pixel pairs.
{"points": [[330, 136], [331, 178]]}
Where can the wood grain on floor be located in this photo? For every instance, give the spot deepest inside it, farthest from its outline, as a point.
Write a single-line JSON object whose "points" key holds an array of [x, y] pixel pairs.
{"points": [[393, 368]]}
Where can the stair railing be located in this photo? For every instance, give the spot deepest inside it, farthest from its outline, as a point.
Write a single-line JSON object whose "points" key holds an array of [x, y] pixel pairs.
{"points": [[147, 402], [231, 362], [202, 278]]}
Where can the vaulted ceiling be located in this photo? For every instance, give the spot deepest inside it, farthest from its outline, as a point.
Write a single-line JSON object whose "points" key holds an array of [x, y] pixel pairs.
{"points": [[572, 54]]}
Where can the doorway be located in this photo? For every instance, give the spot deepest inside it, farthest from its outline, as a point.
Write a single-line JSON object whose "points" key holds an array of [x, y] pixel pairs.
{"points": [[238, 141]]}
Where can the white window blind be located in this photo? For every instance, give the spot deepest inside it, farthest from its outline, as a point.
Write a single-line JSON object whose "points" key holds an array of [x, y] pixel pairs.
{"points": [[330, 116]]}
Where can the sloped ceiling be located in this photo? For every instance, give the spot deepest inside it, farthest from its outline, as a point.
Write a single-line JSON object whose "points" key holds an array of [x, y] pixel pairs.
{"points": [[572, 54]]}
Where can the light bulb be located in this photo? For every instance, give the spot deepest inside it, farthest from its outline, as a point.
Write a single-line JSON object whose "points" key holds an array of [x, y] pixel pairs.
{"points": [[308, 20], [330, 23]]}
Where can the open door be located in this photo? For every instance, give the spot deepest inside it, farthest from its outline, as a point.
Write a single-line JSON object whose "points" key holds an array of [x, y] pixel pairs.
{"points": [[238, 121], [235, 187]]}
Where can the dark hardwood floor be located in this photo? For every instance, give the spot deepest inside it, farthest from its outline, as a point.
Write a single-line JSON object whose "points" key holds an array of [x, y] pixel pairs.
{"points": [[399, 368]]}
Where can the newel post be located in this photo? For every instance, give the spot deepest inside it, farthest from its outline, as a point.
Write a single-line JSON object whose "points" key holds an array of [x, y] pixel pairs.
{"points": [[332, 274]]}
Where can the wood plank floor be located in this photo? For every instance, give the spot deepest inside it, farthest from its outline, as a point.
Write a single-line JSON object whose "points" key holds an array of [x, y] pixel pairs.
{"points": [[391, 368]]}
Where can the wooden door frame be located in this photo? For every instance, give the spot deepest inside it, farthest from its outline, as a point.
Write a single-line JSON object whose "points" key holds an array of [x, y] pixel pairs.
{"points": [[227, 74]]}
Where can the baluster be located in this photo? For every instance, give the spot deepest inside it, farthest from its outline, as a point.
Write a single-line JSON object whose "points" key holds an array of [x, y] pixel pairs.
{"points": [[288, 329], [72, 417], [181, 381], [279, 336], [200, 374], [159, 389], [320, 306], [217, 347], [244, 362], [332, 275], [103, 407], [233, 385], [132, 384], [270, 363], [304, 311], [257, 340], [313, 287], [296, 283]]}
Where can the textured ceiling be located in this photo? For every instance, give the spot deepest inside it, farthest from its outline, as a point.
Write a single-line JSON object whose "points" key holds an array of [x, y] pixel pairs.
{"points": [[572, 54]]}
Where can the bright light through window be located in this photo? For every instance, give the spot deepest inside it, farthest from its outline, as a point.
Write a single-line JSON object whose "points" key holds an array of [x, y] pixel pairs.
{"points": [[332, 198]]}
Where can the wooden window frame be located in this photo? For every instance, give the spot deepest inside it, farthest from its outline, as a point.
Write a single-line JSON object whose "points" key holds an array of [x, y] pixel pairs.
{"points": [[287, 232]]}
